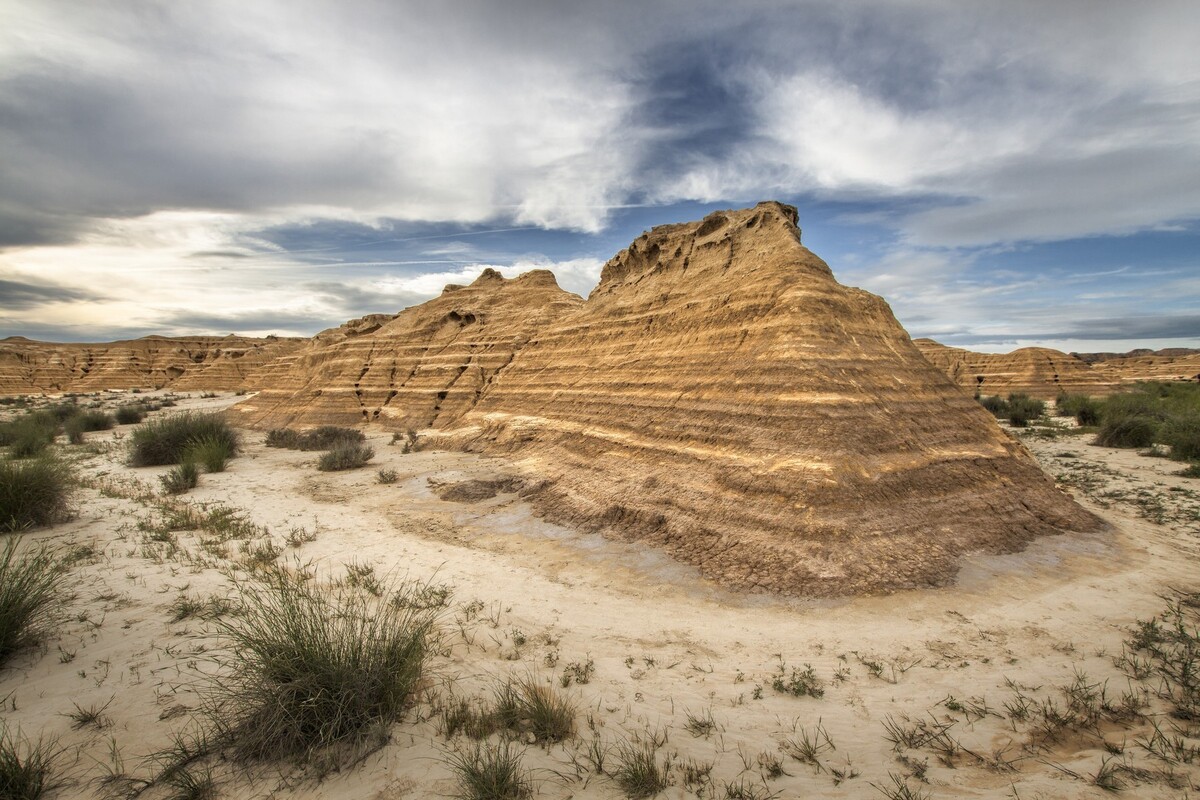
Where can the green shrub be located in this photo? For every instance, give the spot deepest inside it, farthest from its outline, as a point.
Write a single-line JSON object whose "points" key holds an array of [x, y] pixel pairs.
{"points": [[130, 414], [1085, 410], [1126, 431], [347, 455], [181, 478], [283, 437], [311, 666], [996, 405], [1022, 409], [30, 597], [166, 440], [211, 452], [86, 421], [1182, 433], [26, 768], [484, 773], [34, 493]]}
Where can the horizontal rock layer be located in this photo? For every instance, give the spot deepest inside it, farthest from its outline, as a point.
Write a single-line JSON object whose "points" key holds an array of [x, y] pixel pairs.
{"points": [[423, 367], [217, 363]]}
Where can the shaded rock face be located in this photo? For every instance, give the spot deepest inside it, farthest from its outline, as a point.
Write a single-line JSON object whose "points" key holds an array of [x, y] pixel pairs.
{"points": [[721, 396], [215, 363], [423, 367]]}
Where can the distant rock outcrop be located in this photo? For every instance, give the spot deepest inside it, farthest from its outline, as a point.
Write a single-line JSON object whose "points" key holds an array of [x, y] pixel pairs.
{"points": [[1036, 371], [720, 395], [1174, 364], [217, 363], [423, 367]]}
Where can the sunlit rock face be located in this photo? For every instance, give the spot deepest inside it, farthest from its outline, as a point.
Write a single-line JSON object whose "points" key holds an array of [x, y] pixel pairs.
{"points": [[421, 368], [721, 396], [1036, 371], [216, 363]]}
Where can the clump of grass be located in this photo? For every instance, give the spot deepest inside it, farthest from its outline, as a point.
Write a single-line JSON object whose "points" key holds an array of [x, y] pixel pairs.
{"points": [[534, 708], [181, 478], [211, 452], [26, 768], [130, 414], [312, 666], [34, 493], [30, 596], [84, 422], [166, 440], [387, 476], [637, 769], [797, 682], [347, 455], [995, 405], [486, 773]]}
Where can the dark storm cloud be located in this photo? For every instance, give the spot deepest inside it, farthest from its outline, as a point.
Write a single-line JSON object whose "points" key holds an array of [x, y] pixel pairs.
{"points": [[21, 295]]}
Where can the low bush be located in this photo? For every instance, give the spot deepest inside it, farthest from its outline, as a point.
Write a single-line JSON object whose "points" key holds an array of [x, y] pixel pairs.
{"points": [[85, 422], [1122, 429], [34, 493], [130, 414], [166, 440], [485, 773], [312, 666], [326, 437], [181, 478], [347, 455], [30, 597]]}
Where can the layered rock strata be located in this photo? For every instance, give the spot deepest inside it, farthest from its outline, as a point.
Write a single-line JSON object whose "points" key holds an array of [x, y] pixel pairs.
{"points": [[722, 397], [421, 368], [1036, 371], [218, 363]]}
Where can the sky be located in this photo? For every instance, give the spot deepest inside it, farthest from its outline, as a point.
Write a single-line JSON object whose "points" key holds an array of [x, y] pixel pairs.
{"points": [[1004, 173]]}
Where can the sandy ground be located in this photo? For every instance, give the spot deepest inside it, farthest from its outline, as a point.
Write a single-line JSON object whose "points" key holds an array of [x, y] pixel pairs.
{"points": [[532, 599]]}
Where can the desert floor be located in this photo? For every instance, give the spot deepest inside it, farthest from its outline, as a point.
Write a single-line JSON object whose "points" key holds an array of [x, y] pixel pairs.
{"points": [[671, 658]]}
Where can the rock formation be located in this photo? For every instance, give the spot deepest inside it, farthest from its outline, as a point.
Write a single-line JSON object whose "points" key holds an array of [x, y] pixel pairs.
{"points": [[721, 396], [424, 367], [1182, 365], [191, 362], [1036, 371]]}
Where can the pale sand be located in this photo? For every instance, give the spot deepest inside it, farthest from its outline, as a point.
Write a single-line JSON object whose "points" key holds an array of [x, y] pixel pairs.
{"points": [[664, 642]]}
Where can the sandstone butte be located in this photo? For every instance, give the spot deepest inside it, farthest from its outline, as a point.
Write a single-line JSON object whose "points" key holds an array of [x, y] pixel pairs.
{"points": [[421, 368], [1046, 373], [218, 363], [1036, 371], [721, 396]]}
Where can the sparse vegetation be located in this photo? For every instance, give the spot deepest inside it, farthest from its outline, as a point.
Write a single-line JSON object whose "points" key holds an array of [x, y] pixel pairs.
{"points": [[313, 667], [637, 768], [535, 709], [181, 478], [30, 596], [34, 493], [347, 455], [387, 476], [490, 773], [130, 414], [210, 452], [167, 440], [326, 437], [26, 768]]}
